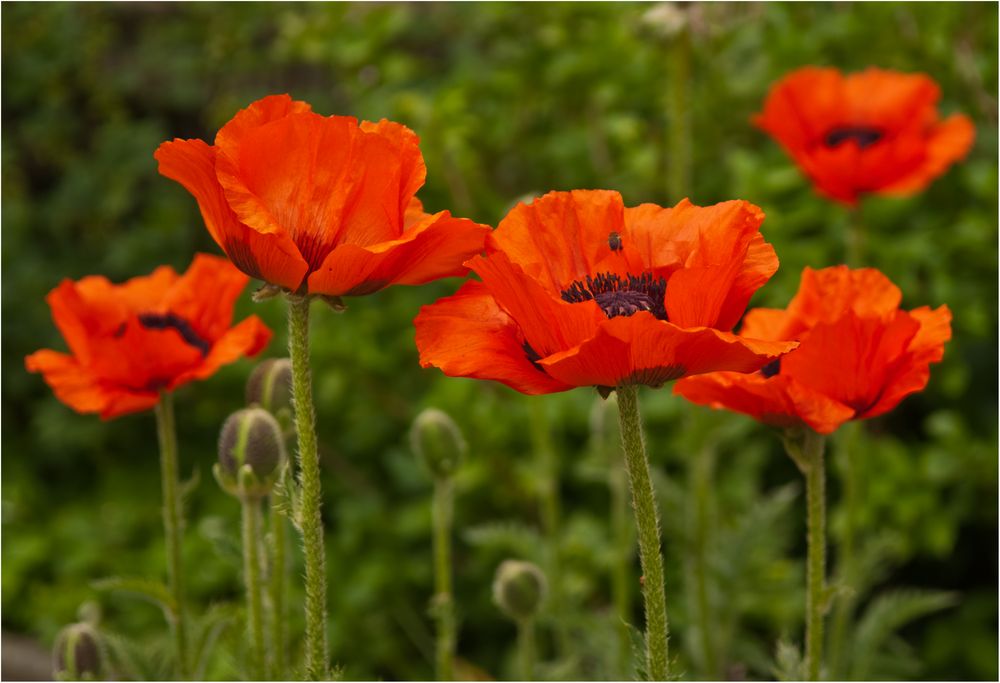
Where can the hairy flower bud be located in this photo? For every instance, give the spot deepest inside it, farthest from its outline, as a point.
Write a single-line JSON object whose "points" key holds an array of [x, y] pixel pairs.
{"points": [[519, 588], [437, 442], [270, 385], [78, 654], [251, 452]]}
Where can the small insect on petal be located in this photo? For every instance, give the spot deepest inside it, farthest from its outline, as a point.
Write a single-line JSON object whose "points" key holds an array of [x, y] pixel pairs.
{"points": [[615, 241]]}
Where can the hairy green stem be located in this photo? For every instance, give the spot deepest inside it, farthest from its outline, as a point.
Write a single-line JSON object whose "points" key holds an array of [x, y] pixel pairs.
{"points": [[276, 591], [173, 526], [648, 525], [444, 606], [806, 449], [526, 648], [252, 583], [310, 493]]}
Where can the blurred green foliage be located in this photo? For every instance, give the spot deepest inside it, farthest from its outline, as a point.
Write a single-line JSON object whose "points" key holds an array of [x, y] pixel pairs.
{"points": [[510, 100]]}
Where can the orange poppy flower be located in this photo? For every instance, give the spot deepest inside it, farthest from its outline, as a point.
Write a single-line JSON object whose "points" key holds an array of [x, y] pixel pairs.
{"points": [[154, 333], [874, 131], [578, 290], [319, 204], [859, 354]]}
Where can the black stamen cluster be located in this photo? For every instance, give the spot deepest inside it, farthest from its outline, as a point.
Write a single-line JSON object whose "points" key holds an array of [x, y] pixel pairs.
{"points": [[617, 296], [864, 136]]}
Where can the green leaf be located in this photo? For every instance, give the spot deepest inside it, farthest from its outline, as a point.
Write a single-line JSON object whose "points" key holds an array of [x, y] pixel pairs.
{"points": [[888, 613], [508, 537], [153, 591]]}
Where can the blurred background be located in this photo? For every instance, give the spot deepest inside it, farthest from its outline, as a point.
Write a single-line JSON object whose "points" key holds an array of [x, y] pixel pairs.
{"points": [[510, 101]]}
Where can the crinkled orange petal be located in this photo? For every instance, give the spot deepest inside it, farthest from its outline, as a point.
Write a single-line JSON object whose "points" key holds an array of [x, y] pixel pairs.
{"points": [[434, 247], [560, 237], [412, 170], [826, 294], [778, 401], [469, 335], [949, 142], [912, 372], [549, 324], [850, 359], [640, 349], [760, 264], [321, 180], [273, 258], [248, 338], [205, 295]]}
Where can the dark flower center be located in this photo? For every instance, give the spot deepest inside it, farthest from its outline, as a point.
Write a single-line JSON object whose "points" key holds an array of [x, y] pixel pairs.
{"points": [[864, 136], [617, 296], [163, 321], [772, 368]]}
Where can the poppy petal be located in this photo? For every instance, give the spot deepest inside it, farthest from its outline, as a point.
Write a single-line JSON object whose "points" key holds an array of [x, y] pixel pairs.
{"points": [[412, 170], [273, 258], [549, 324], [778, 401], [912, 372], [433, 248], [949, 142], [248, 338], [849, 359], [760, 264], [641, 349], [560, 237], [210, 316], [469, 335]]}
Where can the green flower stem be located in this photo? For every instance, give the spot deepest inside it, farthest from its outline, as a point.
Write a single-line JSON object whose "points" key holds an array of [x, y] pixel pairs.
{"points": [[648, 525], [252, 582], [444, 607], [276, 591], [807, 452], [310, 499], [173, 525], [526, 648]]}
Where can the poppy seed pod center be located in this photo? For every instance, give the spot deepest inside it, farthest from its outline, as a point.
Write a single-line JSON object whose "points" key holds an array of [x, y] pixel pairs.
{"points": [[864, 136], [617, 296]]}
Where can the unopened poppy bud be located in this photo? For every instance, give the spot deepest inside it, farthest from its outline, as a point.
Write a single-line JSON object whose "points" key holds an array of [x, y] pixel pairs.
{"points": [[77, 654], [270, 385], [250, 447], [519, 589], [437, 442]]}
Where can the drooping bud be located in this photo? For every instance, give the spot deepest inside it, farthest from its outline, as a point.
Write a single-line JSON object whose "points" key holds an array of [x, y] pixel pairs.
{"points": [[251, 452], [270, 385], [78, 653], [437, 442], [519, 588]]}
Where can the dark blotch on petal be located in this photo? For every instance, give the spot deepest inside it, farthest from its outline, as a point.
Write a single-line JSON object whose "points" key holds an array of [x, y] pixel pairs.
{"points": [[163, 321], [864, 136], [772, 368]]}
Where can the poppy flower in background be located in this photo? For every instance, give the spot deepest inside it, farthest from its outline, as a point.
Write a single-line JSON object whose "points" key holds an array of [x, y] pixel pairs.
{"points": [[859, 354], [578, 290], [876, 131], [153, 333], [319, 204]]}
